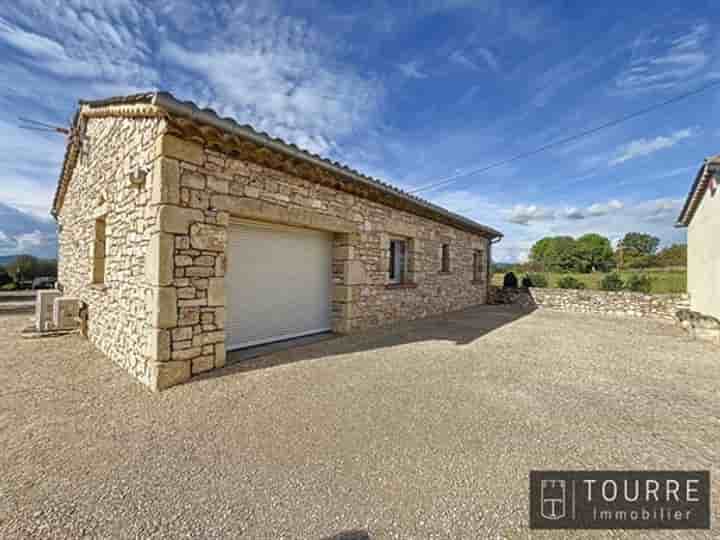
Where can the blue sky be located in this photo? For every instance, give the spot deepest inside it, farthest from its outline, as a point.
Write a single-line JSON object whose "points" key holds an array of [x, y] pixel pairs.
{"points": [[410, 94]]}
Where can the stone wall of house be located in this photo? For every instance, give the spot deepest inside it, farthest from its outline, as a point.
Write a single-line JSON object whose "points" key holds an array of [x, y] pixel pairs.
{"points": [[204, 190], [625, 304], [120, 310]]}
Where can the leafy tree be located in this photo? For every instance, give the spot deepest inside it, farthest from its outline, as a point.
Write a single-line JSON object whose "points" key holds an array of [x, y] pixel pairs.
{"points": [[612, 282], [47, 268], [535, 280], [675, 255], [554, 254], [638, 283], [639, 261], [24, 267], [640, 243], [570, 282], [4, 276], [539, 252], [594, 253]]}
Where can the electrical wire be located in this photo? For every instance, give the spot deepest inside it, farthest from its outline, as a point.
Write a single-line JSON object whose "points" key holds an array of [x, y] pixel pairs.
{"points": [[559, 142]]}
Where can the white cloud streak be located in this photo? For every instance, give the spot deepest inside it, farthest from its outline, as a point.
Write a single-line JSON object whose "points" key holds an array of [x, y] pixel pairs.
{"points": [[645, 147], [664, 60], [412, 70]]}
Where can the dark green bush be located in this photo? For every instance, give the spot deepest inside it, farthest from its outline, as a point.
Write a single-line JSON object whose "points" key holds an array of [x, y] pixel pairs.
{"points": [[639, 283], [612, 282], [510, 281], [569, 282], [535, 280]]}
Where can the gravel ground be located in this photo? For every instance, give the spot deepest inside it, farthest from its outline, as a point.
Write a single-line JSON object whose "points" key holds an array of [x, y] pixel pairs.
{"points": [[424, 430]]}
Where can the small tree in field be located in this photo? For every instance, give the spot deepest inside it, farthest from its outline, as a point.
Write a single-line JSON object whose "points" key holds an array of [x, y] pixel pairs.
{"points": [[639, 283], [612, 282], [569, 282]]}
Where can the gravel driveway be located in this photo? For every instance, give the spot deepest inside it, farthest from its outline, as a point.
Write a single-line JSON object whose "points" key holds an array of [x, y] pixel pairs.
{"points": [[424, 430]]}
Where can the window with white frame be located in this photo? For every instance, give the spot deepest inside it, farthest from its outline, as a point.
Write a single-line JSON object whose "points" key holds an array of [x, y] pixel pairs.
{"points": [[398, 260]]}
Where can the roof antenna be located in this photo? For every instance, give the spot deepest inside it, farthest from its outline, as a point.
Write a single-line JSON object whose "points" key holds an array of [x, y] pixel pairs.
{"points": [[42, 126], [72, 133]]}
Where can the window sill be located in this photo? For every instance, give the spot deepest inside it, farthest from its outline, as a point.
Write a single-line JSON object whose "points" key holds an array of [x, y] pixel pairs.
{"points": [[448, 273], [407, 285], [100, 287], [478, 282]]}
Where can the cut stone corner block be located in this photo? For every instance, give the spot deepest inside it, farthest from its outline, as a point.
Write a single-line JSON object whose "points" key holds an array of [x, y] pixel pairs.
{"points": [[216, 292], [159, 262], [164, 307], [158, 345], [163, 375]]}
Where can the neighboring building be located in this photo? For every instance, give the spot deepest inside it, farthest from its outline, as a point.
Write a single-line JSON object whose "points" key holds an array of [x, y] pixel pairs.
{"points": [[187, 235], [701, 216]]}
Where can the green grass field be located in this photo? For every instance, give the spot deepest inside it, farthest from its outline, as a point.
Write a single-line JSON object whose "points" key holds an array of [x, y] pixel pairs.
{"points": [[663, 280]]}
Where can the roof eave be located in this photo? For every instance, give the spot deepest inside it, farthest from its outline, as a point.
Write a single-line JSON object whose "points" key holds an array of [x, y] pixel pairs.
{"points": [[167, 102]]}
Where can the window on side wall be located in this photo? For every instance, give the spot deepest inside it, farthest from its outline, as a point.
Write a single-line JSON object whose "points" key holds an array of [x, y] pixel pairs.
{"points": [[478, 265], [398, 261], [445, 258], [99, 251]]}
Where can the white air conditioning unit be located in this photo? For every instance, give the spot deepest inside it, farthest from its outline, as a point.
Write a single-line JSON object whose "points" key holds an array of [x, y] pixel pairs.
{"points": [[44, 309]]}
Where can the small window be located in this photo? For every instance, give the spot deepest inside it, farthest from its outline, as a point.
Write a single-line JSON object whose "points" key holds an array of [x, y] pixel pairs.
{"points": [[478, 265], [445, 258], [99, 252], [398, 260]]}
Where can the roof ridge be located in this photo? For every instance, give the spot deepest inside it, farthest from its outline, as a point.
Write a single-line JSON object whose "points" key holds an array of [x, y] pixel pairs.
{"points": [[188, 108]]}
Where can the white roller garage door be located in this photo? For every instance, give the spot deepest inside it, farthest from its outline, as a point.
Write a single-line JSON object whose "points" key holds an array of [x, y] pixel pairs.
{"points": [[277, 283]]}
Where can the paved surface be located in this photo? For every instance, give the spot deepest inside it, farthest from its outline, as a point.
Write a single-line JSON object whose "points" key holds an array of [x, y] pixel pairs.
{"points": [[427, 430], [17, 302]]}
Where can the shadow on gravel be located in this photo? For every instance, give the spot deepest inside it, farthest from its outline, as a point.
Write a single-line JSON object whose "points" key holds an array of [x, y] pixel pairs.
{"points": [[349, 535], [459, 327]]}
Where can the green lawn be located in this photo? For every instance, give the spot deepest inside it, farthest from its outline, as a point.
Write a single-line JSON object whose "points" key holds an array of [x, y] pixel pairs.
{"points": [[663, 280]]}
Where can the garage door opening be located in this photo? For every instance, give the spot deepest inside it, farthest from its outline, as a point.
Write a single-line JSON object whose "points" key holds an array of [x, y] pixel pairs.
{"points": [[278, 284]]}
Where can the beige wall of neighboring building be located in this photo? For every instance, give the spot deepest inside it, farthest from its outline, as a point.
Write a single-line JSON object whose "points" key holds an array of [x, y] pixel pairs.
{"points": [[704, 256]]}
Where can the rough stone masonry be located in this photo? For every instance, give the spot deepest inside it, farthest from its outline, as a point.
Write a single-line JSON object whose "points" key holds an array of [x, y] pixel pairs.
{"points": [[159, 310]]}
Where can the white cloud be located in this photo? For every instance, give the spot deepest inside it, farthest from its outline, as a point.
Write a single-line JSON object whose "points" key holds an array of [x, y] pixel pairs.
{"points": [[489, 57], [412, 70], [659, 210], [597, 209], [32, 240], [282, 77], [470, 58], [525, 214], [462, 59], [661, 60], [88, 44], [645, 147]]}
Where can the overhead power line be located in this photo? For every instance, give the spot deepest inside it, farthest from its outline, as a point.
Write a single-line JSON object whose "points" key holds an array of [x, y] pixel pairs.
{"points": [[565, 140]]}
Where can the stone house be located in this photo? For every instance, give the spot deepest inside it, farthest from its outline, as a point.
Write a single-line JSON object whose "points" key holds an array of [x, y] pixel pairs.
{"points": [[186, 235], [701, 216]]}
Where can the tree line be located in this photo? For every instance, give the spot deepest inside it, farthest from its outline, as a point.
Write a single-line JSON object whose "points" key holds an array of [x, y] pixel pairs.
{"points": [[594, 253], [26, 268]]}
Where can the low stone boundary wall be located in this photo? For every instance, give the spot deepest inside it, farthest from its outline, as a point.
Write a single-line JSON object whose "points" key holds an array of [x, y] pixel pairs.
{"points": [[625, 304]]}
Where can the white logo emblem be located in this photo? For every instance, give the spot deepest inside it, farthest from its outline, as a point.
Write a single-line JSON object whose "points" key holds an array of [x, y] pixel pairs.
{"points": [[553, 499]]}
